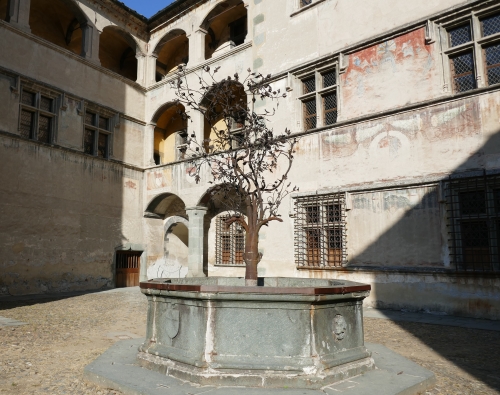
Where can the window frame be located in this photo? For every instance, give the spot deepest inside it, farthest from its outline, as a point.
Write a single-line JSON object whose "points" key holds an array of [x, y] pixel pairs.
{"points": [[318, 94], [322, 260], [220, 234], [99, 112], [477, 46], [453, 189], [38, 112]]}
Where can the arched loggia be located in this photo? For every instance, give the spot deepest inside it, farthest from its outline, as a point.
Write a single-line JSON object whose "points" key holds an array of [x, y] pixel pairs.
{"points": [[117, 52], [170, 133], [226, 25], [165, 205], [171, 51], [60, 22]]}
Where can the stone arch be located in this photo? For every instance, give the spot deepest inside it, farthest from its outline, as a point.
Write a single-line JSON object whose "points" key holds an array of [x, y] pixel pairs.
{"points": [[60, 22], [226, 25], [175, 247], [225, 109], [171, 51], [216, 198], [170, 133], [178, 226], [165, 205], [118, 50]]}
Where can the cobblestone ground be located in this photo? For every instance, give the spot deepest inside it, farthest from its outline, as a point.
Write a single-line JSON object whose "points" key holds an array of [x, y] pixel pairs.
{"points": [[48, 355]]}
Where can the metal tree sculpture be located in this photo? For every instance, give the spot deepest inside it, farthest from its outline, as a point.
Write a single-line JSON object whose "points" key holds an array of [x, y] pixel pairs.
{"points": [[248, 162]]}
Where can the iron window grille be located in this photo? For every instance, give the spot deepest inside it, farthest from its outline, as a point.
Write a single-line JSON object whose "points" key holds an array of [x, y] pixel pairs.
{"points": [[472, 47], [230, 242], [319, 98], [97, 134], [474, 223], [320, 231], [37, 119]]}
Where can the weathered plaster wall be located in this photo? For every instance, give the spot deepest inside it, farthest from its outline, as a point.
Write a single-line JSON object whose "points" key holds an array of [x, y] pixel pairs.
{"points": [[376, 77], [393, 226], [63, 216], [285, 40]]}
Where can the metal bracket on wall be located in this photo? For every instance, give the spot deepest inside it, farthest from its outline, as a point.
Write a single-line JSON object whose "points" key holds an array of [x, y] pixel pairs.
{"points": [[430, 32], [17, 85], [81, 107], [343, 62]]}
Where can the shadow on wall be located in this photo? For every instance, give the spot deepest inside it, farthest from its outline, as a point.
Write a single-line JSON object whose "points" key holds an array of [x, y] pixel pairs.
{"points": [[65, 214], [464, 210]]}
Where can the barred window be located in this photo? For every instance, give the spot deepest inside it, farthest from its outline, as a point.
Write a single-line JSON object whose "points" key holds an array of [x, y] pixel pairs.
{"points": [[320, 231], [97, 134], [37, 116], [473, 51], [319, 98], [474, 222], [230, 242]]}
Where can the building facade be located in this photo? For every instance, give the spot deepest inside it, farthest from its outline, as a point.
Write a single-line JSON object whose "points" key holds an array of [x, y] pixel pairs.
{"points": [[397, 106]]}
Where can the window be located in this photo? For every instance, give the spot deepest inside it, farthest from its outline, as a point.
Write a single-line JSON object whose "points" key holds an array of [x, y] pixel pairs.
{"points": [[473, 50], [319, 98], [474, 223], [320, 231], [230, 243], [37, 116], [97, 134]]}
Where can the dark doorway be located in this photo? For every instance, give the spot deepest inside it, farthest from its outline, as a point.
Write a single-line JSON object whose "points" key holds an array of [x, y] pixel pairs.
{"points": [[128, 264]]}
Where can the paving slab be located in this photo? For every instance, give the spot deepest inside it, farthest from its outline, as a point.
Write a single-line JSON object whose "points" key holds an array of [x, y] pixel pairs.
{"points": [[7, 322], [117, 369], [433, 318]]}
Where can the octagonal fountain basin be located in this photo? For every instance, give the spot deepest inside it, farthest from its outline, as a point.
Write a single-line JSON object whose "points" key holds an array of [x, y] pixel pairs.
{"points": [[286, 332]]}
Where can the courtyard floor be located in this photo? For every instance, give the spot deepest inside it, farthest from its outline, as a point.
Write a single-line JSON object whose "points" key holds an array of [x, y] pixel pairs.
{"points": [[62, 336]]}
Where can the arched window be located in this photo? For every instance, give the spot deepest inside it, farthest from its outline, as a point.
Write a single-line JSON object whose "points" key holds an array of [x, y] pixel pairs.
{"points": [[117, 51], [226, 25], [170, 134], [58, 21], [171, 51]]}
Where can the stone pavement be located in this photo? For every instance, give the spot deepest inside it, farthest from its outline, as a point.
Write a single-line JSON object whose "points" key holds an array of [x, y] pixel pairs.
{"points": [[62, 335]]}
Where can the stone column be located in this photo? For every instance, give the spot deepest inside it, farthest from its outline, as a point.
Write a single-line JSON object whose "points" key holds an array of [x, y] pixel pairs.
{"points": [[151, 69], [197, 47], [141, 68], [149, 148], [90, 42], [18, 14], [196, 240], [196, 125]]}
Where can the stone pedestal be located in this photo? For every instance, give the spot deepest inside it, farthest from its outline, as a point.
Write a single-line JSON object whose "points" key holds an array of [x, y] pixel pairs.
{"points": [[303, 333]]}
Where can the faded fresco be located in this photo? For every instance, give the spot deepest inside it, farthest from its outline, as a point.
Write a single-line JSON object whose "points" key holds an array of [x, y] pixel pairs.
{"points": [[394, 136], [379, 77]]}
